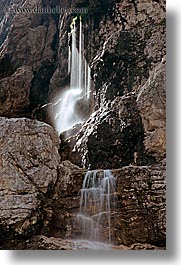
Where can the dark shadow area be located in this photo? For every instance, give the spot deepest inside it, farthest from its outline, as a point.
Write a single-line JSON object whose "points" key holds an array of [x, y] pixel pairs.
{"points": [[172, 251]]}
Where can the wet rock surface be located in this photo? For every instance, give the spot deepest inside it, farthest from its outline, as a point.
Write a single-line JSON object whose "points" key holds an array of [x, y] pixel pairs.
{"points": [[51, 243], [125, 47], [111, 138], [138, 216], [123, 56], [140, 211], [65, 200]]}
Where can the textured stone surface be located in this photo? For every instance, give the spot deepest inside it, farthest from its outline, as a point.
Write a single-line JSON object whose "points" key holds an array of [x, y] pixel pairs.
{"points": [[41, 242], [28, 169], [140, 212], [15, 93], [122, 53], [152, 104], [68, 185], [33, 46], [6, 17], [112, 137], [125, 43], [120, 50], [138, 246], [142, 205]]}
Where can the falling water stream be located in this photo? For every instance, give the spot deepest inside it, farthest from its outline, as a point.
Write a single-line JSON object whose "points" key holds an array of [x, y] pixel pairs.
{"points": [[98, 195], [80, 81], [99, 188]]}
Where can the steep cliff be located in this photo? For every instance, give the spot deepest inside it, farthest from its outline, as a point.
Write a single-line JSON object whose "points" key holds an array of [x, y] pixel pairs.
{"points": [[125, 43], [31, 43], [125, 126]]}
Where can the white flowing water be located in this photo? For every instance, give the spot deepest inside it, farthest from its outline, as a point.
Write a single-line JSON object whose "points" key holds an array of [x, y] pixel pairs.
{"points": [[98, 195], [80, 81], [66, 117], [80, 55], [92, 245]]}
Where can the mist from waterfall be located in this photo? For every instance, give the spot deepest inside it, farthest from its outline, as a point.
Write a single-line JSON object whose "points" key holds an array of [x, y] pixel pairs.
{"points": [[80, 81], [98, 197]]}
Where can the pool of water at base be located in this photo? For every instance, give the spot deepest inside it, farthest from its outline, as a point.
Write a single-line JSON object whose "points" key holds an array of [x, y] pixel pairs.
{"points": [[87, 244]]}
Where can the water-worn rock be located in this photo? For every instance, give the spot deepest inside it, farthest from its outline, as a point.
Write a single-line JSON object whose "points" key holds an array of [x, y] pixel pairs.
{"points": [[121, 54], [43, 242], [65, 198], [152, 105], [139, 214], [28, 169], [112, 137], [121, 51], [138, 246], [124, 45]]}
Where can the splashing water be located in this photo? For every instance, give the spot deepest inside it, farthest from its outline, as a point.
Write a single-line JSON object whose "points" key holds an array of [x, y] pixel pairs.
{"points": [[98, 196], [66, 116], [80, 82]]}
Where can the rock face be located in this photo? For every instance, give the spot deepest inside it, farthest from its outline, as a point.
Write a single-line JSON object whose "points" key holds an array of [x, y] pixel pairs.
{"points": [[123, 56], [152, 104], [52, 243], [139, 215], [66, 199], [32, 48], [111, 138], [142, 212], [15, 92], [28, 168], [125, 48]]}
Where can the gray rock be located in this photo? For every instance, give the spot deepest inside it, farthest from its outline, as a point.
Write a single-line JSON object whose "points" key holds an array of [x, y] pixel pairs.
{"points": [[15, 92], [152, 105], [139, 214], [30, 44], [28, 168], [111, 138]]}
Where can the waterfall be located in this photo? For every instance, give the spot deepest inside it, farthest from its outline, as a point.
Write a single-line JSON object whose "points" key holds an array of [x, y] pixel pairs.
{"points": [[74, 77], [66, 115], [98, 196], [80, 54], [80, 81]]}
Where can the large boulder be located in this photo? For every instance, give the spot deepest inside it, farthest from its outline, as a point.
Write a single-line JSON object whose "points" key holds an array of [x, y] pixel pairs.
{"points": [[28, 170]]}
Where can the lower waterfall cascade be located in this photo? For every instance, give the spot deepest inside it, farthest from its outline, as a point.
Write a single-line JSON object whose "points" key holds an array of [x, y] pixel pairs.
{"points": [[97, 199]]}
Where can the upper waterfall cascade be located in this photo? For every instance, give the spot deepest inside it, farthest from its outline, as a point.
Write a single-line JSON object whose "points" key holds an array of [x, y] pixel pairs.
{"points": [[80, 81]]}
